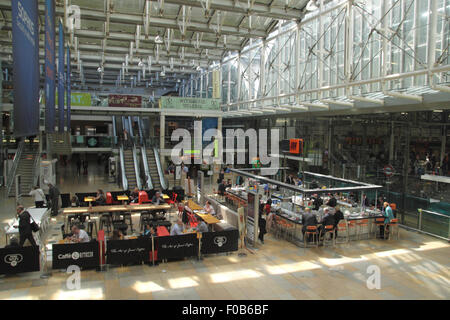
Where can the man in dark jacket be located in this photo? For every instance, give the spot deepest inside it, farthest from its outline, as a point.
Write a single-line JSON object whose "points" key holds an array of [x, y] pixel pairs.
{"points": [[332, 202], [328, 220], [222, 187], [317, 202], [54, 198], [25, 231], [308, 219]]}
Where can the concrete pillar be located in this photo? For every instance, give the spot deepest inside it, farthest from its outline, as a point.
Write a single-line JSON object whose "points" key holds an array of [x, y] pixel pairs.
{"points": [[162, 133]]}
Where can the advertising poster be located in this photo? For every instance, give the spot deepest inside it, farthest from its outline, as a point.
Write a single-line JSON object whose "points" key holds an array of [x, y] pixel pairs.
{"points": [[25, 40], [50, 67], [129, 251], [222, 241], [81, 254], [124, 101], [174, 247]]}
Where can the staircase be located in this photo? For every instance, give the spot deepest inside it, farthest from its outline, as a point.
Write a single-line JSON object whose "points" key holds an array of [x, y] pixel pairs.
{"points": [[153, 169], [25, 169], [130, 173]]}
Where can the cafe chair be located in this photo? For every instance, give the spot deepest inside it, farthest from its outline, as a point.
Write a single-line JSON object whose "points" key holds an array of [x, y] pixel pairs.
{"points": [[393, 225], [328, 234], [379, 222], [311, 231], [142, 198], [106, 221], [361, 225], [192, 220], [173, 200], [342, 232]]}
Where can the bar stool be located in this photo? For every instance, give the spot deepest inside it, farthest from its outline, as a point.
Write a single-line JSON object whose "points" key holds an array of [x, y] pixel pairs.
{"points": [[311, 230], [127, 219], [91, 225], [342, 228], [328, 233], [144, 219], [361, 224], [106, 220], [379, 222], [351, 225], [392, 225]]}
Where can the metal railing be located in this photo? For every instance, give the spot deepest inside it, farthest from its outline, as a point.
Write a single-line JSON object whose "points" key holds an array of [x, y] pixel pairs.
{"points": [[429, 222], [122, 168], [146, 168], [136, 168], [36, 168], [12, 171], [160, 170]]}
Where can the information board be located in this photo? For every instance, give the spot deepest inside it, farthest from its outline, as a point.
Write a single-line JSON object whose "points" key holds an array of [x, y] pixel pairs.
{"points": [[189, 103]]}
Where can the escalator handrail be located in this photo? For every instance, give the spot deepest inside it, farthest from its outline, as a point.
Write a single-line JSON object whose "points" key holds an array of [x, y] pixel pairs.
{"points": [[146, 168], [122, 167], [136, 167], [160, 171]]}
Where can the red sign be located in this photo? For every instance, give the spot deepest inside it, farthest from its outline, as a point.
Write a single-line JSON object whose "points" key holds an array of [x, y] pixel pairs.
{"points": [[125, 101], [296, 146], [388, 170]]}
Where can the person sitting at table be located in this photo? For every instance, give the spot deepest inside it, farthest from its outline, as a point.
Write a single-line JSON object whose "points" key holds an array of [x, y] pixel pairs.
{"points": [[308, 219], [202, 226], [149, 231], [75, 202], [332, 202], [209, 208], [157, 199], [134, 196], [79, 235], [338, 216], [100, 199], [177, 228], [268, 206], [13, 243], [328, 220], [117, 235], [25, 231]]}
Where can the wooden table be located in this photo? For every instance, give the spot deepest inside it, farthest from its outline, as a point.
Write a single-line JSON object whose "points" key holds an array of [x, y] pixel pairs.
{"points": [[123, 198], [165, 197], [208, 218], [89, 199], [114, 209], [194, 206]]}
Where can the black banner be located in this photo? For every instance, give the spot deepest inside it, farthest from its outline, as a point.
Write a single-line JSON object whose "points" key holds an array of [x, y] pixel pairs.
{"points": [[222, 241], [128, 251], [20, 259], [173, 247], [81, 254]]}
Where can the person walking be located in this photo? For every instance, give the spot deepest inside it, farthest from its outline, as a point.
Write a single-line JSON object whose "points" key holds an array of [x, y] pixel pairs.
{"points": [[85, 167], [389, 215], [25, 231], [78, 166], [54, 193]]}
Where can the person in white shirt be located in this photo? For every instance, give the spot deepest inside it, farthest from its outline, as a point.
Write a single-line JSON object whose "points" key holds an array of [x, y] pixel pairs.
{"points": [[209, 208], [39, 197], [79, 235], [202, 226], [177, 228]]}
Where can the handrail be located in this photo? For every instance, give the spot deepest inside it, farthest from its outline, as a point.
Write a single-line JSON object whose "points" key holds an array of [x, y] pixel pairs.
{"points": [[434, 213], [12, 172], [146, 168], [122, 168], [136, 168], [160, 171], [36, 167], [420, 228]]}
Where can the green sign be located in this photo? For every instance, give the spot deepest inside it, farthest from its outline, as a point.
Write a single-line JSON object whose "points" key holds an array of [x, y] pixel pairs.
{"points": [[189, 103], [78, 99]]}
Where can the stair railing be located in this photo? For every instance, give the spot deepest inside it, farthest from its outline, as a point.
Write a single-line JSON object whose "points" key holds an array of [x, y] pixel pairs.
{"points": [[122, 168], [136, 167], [36, 168], [160, 171], [12, 171], [146, 168]]}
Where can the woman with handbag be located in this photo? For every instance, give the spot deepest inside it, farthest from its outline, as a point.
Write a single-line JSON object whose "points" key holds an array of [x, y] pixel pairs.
{"points": [[26, 227]]}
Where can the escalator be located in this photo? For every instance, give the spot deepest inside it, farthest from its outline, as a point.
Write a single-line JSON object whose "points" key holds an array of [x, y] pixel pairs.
{"points": [[129, 162], [152, 164]]}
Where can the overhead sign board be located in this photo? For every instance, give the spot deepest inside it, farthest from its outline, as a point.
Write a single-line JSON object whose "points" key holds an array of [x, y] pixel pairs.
{"points": [[125, 101], [80, 99], [189, 103]]}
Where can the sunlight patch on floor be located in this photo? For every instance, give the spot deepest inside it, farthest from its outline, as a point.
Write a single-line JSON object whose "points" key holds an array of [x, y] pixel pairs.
{"points": [[146, 287], [221, 277]]}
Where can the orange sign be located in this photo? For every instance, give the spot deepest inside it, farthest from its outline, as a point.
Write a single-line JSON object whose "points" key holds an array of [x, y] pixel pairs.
{"points": [[296, 146]]}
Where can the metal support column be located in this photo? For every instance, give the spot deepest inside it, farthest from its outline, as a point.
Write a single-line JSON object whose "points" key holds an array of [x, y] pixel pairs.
{"points": [[162, 133]]}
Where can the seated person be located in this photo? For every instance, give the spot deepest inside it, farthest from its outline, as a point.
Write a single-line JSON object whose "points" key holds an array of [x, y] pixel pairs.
{"points": [[117, 235], [221, 188], [317, 202], [332, 202], [209, 208], [13, 243], [134, 196], [202, 226], [177, 228], [308, 219], [338, 216], [149, 231], [74, 202], [157, 199], [100, 199], [79, 235], [328, 219]]}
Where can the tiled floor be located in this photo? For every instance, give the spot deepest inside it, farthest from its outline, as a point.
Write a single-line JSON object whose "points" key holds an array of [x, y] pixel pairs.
{"points": [[414, 267]]}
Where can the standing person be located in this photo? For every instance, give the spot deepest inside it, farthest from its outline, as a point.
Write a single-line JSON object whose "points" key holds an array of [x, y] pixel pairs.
{"points": [[221, 176], [78, 166], [25, 231], [389, 215], [39, 197], [125, 137], [85, 167], [53, 192], [262, 224]]}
